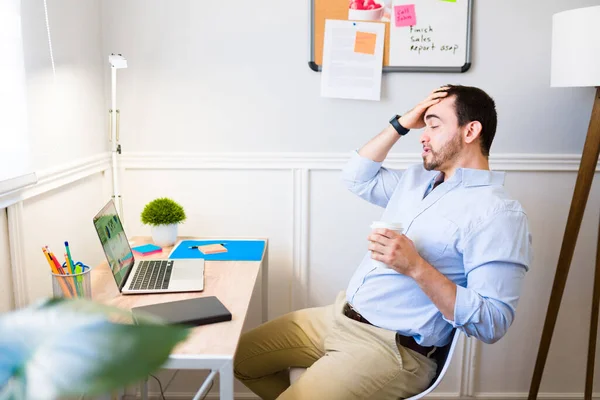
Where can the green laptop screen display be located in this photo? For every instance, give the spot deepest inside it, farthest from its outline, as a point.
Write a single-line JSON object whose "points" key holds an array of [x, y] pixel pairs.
{"points": [[115, 244]]}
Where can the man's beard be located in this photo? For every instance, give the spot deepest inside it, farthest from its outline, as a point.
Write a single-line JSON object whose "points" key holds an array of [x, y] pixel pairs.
{"points": [[447, 153]]}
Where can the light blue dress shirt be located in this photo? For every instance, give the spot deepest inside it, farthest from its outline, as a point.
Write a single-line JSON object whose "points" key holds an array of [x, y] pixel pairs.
{"points": [[468, 228]]}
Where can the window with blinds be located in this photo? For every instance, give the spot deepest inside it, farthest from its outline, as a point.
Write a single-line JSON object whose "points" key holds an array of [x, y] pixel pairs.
{"points": [[15, 163]]}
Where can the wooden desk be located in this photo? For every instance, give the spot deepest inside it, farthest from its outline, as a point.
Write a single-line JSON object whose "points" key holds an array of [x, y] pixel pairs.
{"points": [[209, 346]]}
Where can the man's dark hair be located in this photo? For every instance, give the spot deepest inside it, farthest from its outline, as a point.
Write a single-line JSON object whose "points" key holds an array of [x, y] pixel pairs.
{"points": [[473, 104]]}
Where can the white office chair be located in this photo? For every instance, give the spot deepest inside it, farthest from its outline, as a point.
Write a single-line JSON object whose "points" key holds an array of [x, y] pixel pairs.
{"points": [[443, 356]]}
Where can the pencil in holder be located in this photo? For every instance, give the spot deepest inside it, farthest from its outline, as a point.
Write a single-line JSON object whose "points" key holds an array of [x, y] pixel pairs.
{"points": [[74, 285]]}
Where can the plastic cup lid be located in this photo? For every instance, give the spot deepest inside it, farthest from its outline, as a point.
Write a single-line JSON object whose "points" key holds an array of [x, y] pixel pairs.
{"points": [[395, 226]]}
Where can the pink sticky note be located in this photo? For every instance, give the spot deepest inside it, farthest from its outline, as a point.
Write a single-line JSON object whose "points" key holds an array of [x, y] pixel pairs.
{"points": [[405, 15]]}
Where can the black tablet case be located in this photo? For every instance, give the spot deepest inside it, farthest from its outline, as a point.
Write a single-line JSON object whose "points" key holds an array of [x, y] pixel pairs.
{"points": [[190, 312]]}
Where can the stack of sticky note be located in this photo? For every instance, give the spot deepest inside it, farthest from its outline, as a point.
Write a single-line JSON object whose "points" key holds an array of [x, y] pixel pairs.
{"points": [[212, 248], [147, 249]]}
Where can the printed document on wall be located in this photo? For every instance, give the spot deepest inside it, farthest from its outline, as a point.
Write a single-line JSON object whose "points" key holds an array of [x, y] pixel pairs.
{"points": [[352, 59]]}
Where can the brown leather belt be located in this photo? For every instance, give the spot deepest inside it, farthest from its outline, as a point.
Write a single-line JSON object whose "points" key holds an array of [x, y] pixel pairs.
{"points": [[406, 341]]}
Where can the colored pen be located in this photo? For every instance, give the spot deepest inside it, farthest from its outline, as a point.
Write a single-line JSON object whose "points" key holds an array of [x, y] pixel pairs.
{"points": [[195, 247], [70, 259], [59, 267], [72, 269], [52, 266]]}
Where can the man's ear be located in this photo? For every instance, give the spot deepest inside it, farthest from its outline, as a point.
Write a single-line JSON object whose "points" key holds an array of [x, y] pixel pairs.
{"points": [[472, 131]]}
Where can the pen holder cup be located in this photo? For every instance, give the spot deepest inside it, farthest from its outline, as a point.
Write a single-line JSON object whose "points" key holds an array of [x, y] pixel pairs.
{"points": [[73, 285]]}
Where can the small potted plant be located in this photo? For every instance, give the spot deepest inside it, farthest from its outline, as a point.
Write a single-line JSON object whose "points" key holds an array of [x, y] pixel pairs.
{"points": [[163, 215]]}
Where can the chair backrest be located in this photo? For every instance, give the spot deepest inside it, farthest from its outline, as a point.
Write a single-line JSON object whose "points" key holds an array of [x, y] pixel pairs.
{"points": [[443, 356]]}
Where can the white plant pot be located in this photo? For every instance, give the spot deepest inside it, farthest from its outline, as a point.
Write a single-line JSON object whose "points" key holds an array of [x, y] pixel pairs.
{"points": [[164, 235]]}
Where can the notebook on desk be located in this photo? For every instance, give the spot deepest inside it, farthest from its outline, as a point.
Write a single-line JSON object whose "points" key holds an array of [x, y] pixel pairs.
{"points": [[147, 275], [190, 312]]}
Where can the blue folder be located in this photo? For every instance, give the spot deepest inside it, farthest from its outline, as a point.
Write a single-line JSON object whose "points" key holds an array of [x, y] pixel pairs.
{"points": [[237, 250]]}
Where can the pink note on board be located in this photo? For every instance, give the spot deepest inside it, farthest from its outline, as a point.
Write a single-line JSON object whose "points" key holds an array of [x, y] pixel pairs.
{"points": [[405, 15]]}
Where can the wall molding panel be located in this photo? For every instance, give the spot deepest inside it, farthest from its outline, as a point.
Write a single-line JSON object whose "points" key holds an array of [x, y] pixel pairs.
{"points": [[54, 178], [300, 167], [328, 161]]}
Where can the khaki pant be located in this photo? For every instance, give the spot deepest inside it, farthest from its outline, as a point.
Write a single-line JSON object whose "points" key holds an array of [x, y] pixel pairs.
{"points": [[347, 359]]}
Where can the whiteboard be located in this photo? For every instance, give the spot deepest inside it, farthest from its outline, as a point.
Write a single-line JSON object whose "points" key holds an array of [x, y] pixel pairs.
{"points": [[439, 39], [433, 36]]}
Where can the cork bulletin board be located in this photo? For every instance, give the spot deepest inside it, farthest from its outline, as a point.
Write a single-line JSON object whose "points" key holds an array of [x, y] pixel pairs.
{"points": [[420, 35]]}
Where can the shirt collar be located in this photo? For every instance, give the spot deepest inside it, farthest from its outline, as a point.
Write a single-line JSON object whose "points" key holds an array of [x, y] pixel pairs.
{"points": [[479, 177]]}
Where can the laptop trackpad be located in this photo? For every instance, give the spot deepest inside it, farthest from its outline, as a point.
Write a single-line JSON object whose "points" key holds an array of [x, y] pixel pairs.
{"points": [[186, 270]]}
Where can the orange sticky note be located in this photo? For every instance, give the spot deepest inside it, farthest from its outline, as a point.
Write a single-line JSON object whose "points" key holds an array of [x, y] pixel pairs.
{"points": [[212, 249], [365, 42]]}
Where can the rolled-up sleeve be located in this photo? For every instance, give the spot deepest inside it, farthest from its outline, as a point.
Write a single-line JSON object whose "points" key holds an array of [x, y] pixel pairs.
{"points": [[369, 180], [496, 256]]}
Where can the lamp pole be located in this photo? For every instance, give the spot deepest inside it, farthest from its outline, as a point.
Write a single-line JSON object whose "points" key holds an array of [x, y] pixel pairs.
{"points": [[116, 61]]}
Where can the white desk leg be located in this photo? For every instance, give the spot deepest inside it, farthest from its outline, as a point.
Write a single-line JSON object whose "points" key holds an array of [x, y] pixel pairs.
{"points": [[144, 389], [265, 285], [226, 381]]}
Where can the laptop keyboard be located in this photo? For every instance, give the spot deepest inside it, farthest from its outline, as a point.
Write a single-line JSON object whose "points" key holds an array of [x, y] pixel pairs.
{"points": [[152, 275]]}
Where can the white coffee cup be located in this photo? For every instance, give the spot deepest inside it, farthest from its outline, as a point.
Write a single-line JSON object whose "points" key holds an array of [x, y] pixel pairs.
{"points": [[393, 226]]}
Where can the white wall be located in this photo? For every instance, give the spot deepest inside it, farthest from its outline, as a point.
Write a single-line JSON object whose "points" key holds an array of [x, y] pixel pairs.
{"points": [[221, 77], [208, 80], [64, 215], [337, 225], [233, 76]]}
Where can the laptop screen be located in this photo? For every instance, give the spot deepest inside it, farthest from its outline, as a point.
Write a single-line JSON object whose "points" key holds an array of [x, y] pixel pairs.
{"points": [[114, 242]]}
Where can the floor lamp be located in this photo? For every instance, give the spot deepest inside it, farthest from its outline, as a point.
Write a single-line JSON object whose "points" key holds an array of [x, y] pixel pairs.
{"points": [[575, 63], [116, 61]]}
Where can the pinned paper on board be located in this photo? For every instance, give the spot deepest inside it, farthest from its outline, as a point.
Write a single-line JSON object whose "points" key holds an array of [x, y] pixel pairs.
{"points": [[365, 42], [352, 60], [405, 15]]}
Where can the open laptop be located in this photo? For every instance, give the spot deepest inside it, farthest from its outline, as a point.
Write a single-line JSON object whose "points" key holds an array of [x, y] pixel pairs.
{"points": [[147, 275]]}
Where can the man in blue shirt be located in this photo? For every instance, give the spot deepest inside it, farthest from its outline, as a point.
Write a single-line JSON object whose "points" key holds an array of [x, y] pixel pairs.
{"points": [[459, 263]]}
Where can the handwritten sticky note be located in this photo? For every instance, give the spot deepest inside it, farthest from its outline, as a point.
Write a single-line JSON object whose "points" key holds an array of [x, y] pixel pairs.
{"points": [[365, 42], [405, 15]]}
